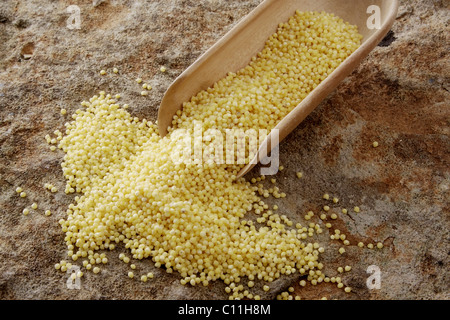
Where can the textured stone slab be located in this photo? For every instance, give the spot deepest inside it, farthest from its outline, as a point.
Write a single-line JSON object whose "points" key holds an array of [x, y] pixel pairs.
{"points": [[398, 97]]}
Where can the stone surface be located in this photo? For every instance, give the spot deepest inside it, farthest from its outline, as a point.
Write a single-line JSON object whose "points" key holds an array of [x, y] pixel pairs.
{"points": [[399, 96]]}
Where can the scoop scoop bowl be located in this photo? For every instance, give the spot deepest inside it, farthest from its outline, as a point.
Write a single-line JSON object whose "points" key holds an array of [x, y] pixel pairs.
{"points": [[234, 51]]}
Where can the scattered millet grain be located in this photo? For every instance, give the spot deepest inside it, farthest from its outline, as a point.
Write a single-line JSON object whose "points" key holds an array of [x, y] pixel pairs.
{"points": [[190, 217]]}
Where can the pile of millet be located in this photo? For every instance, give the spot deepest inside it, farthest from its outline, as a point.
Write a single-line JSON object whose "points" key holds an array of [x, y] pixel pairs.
{"points": [[191, 217]]}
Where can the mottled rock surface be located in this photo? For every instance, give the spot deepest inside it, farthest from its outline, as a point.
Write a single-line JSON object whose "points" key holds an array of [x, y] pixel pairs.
{"points": [[399, 96]]}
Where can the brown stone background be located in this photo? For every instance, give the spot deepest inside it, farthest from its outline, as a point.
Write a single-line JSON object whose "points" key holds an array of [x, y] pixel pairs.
{"points": [[399, 96]]}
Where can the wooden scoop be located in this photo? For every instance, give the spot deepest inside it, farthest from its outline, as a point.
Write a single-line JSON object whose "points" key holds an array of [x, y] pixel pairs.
{"points": [[234, 51]]}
